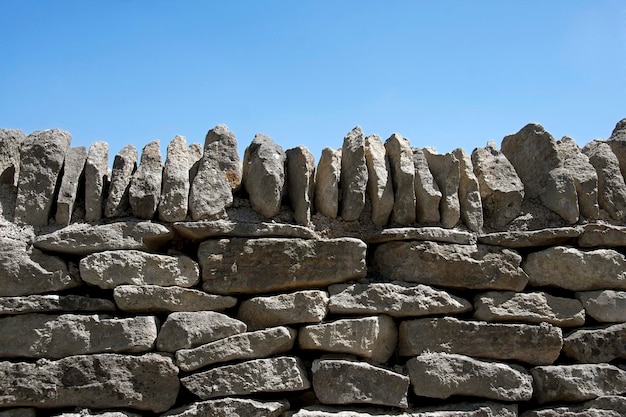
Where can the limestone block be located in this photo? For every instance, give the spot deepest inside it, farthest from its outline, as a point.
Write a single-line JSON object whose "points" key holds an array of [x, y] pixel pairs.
{"points": [[486, 409], [607, 406], [231, 407], [451, 265], [112, 268], [596, 345], [124, 166], [204, 229], [446, 172], [584, 175], [374, 337], [158, 299], [221, 145], [427, 193], [602, 235], [327, 178], [96, 180], [147, 382], [174, 201], [73, 170], [51, 303], [611, 185], [469, 192], [144, 192], [184, 330], [604, 305], [10, 142], [354, 175], [534, 344], [433, 234], [301, 182], [195, 156], [532, 238], [402, 173], [351, 382], [277, 264], [379, 181], [617, 142]]}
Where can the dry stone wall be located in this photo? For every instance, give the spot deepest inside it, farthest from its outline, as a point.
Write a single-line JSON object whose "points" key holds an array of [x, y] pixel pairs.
{"points": [[385, 281]]}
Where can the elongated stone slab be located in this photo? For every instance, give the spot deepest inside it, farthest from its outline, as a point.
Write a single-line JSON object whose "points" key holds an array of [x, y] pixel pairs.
{"points": [[235, 407], [611, 186], [327, 183], [157, 299], [96, 180], [300, 166], [203, 229], [10, 142], [174, 201], [379, 183], [354, 175], [112, 268], [537, 345], [433, 234], [73, 169], [602, 235], [427, 193], [402, 173], [281, 374], [596, 345], [144, 192], [469, 193], [607, 406], [486, 409], [532, 238], [604, 305], [446, 171], [51, 303], [275, 264], [85, 412], [124, 166]]}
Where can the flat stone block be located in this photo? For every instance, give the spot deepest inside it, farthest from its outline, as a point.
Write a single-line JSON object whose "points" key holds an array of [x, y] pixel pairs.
{"points": [[157, 299]]}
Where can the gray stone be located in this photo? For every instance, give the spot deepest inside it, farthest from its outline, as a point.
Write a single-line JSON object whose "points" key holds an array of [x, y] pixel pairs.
{"points": [[264, 175], [531, 238], [535, 307], [220, 144], [396, 299], [96, 180], [57, 336], [596, 345], [402, 172], [442, 375], [112, 268], [604, 305], [19, 412], [281, 374], [174, 201], [144, 192], [576, 270], [602, 235], [51, 303], [301, 182], [124, 166], [575, 383], [146, 382], [73, 170], [469, 192], [184, 330], [451, 265], [433, 234], [611, 185], [373, 338], [351, 382], [242, 346], [195, 156], [293, 308], [534, 344], [157, 299], [354, 175], [10, 142], [286, 264], [617, 142], [584, 176], [41, 162], [203, 229], [327, 178], [85, 412], [446, 171], [607, 406], [427, 193], [487, 409], [379, 182], [231, 407]]}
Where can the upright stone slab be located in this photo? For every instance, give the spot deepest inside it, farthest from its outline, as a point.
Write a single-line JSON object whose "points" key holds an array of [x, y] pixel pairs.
{"points": [[301, 182], [403, 175], [73, 171], [379, 182], [158, 299], [220, 144], [584, 176], [145, 184], [10, 142], [604, 305], [235, 407], [446, 171], [354, 175], [617, 142], [42, 155], [96, 180], [195, 156], [174, 201], [427, 193], [596, 345], [124, 166], [611, 185], [469, 192], [327, 178]]}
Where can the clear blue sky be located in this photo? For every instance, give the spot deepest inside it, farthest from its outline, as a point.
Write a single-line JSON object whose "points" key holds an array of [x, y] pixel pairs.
{"points": [[446, 74]]}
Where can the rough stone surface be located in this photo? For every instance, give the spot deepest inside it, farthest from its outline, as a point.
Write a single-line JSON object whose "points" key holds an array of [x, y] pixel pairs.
{"points": [[19, 412], [147, 382], [51, 303], [220, 144], [402, 172], [144, 192], [301, 182], [350, 382], [242, 346], [297, 307], [327, 183], [611, 185], [379, 180], [433, 234], [157, 299], [396, 299], [195, 156], [86, 412], [596, 345], [286, 264], [374, 337], [576, 270], [42, 155], [604, 305], [487, 409], [607, 406], [174, 201], [10, 142], [68, 192], [96, 180], [184, 330], [451, 265], [201, 230], [469, 192], [602, 235], [427, 193], [584, 176], [231, 407], [534, 344], [354, 175], [531, 238], [446, 171], [124, 166], [282, 374], [442, 375], [112, 268], [57, 336]]}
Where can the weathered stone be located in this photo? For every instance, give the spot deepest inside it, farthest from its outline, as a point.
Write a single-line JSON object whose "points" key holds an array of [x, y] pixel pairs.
{"points": [[531, 238], [584, 176], [374, 337], [275, 264], [537, 345], [264, 175], [602, 235], [433, 234], [144, 192], [427, 193], [451, 265], [608, 406], [596, 345], [300, 182], [297, 307], [611, 185], [379, 181], [10, 142], [575, 383], [85, 412], [203, 229], [396, 299], [576, 270], [604, 305], [184, 330], [402, 173], [51, 303], [42, 155], [57, 336], [501, 190], [157, 299], [220, 144], [112, 268], [327, 178], [282, 374], [535, 307], [195, 156], [487, 409], [441, 375], [19, 412], [351, 382], [96, 180], [617, 142], [231, 407], [147, 382], [446, 171], [174, 201], [73, 169], [469, 192], [84, 239], [354, 175], [124, 166], [242, 346]]}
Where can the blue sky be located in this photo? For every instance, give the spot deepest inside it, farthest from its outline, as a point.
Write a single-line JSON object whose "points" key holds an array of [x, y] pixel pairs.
{"points": [[446, 74]]}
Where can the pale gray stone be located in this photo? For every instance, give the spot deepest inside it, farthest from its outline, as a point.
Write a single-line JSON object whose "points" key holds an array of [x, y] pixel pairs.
{"points": [[10, 142], [596, 345], [451, 265], [174, 201], [287, 264], [203, 229], [354, 175], [85, 412], [611, 185], [112, 268], [379, 181], [602, 235], [534, 344], [124, 166], [427, 193], [446, 172], [184, 330], [469, 192], [73, 171], [220, 144], [301, 182], [144, 192], [617, 142], [327, 178], [51, 303], [373, 337], [402, 172], [487, 409], [442, 375], [158, 299], [281, 374], [195, 156], [147, 382], [242, 346], [433, 234], [96, 180], [604, 305], [531, 238], [607, 406], [584, 175], [231, 407], [351, 382]]}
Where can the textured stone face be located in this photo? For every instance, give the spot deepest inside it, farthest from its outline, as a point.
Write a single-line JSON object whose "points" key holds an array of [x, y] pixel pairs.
{"points": [[144, 192], [433, 234], [596, 345], [604, 305], [602, 236], [10, 142], [402, 172], [73, 170], [379, 181], [354, 175], [124, 166], [301, 182], [157, 299], [52, 303], [96, 180], [327, 183], [469, 192], [533, 238], [446, 171], [232, 407], [584, 176], [611, 186], [201, 230], [607, 406], [427, 193], [174, 201]]}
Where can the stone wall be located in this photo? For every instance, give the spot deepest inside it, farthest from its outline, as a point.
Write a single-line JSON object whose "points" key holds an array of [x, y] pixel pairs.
{"points": [[386, 280]]}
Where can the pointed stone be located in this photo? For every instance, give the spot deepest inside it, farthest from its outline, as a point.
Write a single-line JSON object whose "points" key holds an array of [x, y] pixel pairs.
{"points": [[195, 156], [220, 144], [353, 175], [96, 180], [617, 142], [10, 142], [158, 299], [596, 345], [51, 303], [584, 176], [427, 193], [403, 176], [301, 183], [327, 183], [379, 185], [145, 184], [446, 171], [73, 171], [124, 165], [174, 202], [469, 193], [611, 185], [604, 305]]}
